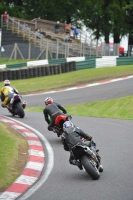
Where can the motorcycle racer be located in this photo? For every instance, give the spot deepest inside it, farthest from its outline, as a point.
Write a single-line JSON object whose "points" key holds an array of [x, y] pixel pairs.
{"points": [[73, 136], [51, 111], [6, 93]]}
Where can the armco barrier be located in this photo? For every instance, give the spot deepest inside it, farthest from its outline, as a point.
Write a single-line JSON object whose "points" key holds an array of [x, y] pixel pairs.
{"points": [[90, 57], [124, 61], [16, 65], [106, 61], [57, 61], [31, 72], [37, 63], [76, 59], [46, 62], [91, 63], [3, 66]]}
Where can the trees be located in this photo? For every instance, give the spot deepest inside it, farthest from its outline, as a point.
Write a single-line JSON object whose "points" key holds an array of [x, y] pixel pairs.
{"points": [[14, 8], [129, 20], [58, 10], [105, 18], [101, 16], [118, 19]]}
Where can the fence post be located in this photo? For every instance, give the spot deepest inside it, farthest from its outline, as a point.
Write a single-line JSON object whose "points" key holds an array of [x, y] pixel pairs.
{"points": [[80, 49], [47, 49], [15, 52], [29, 52], [67, 49], [57, 49]]}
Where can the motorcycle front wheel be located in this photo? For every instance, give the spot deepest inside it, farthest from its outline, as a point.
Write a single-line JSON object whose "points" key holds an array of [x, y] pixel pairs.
{"points": [[20, 110], [90, 168]]}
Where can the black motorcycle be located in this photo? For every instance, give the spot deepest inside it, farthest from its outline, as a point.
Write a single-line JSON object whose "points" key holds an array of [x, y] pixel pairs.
{"points": [[16, 106], [88, 159]]}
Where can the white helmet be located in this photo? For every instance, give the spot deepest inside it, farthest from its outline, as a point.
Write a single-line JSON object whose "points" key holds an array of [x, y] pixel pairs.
{"points": [[6, 82]]}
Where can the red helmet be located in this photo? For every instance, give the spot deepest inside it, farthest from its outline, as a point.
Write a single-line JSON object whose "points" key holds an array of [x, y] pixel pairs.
{"points": [[48, 100], [6, 82]]}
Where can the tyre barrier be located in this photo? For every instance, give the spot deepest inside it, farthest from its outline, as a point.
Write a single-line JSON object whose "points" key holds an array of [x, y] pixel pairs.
{"points": [[31, 72], [63, 67], [39, 71], [18, 73], [43, 71], [14, 75]]}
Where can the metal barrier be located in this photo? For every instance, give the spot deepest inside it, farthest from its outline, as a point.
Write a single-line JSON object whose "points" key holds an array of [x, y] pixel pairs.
{"points": [[90, 63], [124, 61]]}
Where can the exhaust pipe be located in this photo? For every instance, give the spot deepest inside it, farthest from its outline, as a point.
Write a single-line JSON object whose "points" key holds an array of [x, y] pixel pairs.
{"points": [[24, 104], [90, 152]]}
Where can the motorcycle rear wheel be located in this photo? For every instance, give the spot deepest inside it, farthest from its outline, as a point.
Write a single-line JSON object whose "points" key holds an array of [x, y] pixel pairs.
{"points": [[90, 169], [20, 110]]}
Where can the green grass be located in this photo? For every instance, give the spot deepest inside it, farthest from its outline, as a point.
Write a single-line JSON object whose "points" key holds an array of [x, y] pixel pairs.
{"points": [[120, 108], [80, 77], [10, 164], [6, 61]]}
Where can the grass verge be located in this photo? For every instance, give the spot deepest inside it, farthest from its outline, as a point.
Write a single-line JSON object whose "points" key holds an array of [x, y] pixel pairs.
{"points": [[6, 61], [80, 77], [13, 155], [120, 108]]}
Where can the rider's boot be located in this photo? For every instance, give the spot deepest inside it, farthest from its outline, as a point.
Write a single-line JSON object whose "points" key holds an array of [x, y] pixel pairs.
{"points": [[73, 161], [99, 159], [100, 168], [55, 131]]}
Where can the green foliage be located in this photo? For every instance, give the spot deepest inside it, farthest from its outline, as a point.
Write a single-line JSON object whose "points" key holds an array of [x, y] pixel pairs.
{"points": [[102, 16]]}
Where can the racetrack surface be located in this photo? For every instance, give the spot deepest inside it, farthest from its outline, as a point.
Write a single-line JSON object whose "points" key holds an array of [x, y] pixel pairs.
{"points": [[86, 94], [113, 137]]}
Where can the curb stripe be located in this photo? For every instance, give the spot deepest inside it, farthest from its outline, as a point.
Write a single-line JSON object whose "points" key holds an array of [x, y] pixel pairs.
{"points": [[18, 188], [26, 180], [10, 195], [34, 166], [32, 138], [36, 147], [31, 172], [84, 86], [36, 159], [31, 142], [27, 134], [36, 153]]}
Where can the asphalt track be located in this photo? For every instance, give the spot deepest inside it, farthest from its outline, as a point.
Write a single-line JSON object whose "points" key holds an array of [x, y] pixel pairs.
{"points": [[113, 137]]}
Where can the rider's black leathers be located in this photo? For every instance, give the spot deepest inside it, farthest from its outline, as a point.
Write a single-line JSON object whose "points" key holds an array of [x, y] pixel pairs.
{"points": [[73, 136], [52, 111]]}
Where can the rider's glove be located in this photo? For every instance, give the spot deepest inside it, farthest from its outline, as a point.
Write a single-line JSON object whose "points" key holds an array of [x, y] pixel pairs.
{"points": [[89, 138]]}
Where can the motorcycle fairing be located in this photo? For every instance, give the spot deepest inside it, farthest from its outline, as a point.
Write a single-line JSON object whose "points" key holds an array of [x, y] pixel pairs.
{"points": [[60, 118]]}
